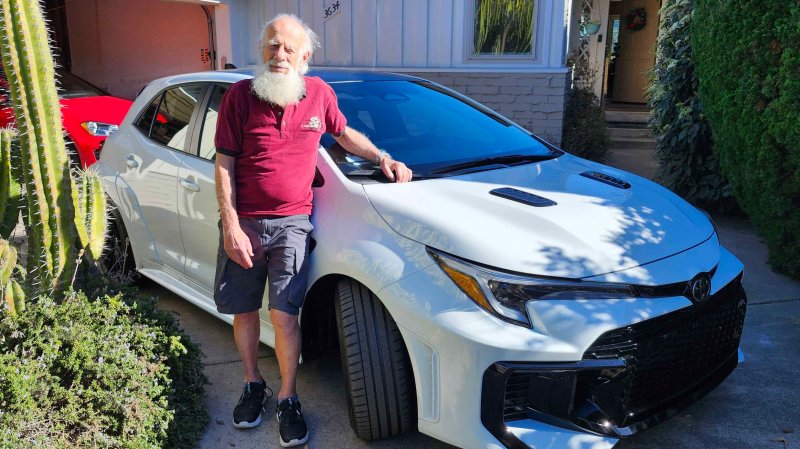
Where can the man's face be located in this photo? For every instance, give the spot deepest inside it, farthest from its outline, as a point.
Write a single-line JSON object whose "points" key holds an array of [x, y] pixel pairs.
{"points": [[285, 44]]}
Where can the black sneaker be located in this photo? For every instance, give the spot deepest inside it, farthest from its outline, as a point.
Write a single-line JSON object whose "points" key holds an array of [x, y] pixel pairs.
{"points": [[248, 411], [292, 426]]}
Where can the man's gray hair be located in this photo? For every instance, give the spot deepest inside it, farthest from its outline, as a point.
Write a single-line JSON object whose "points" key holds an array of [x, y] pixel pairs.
{"points": [[311, 40]]}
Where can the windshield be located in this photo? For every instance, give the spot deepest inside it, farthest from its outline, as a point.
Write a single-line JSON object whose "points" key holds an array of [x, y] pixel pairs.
{"points": [[426, 127]]}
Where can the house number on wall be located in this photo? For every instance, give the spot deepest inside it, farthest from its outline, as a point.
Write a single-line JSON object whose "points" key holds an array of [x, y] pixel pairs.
{"points": [[331, 10]]}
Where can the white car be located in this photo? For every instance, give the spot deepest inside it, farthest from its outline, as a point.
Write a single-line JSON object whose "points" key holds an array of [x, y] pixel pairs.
{"points": [[511, 295]]}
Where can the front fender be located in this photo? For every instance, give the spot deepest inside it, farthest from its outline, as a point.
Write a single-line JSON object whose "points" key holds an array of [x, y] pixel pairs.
{"points": [[142, 242]]}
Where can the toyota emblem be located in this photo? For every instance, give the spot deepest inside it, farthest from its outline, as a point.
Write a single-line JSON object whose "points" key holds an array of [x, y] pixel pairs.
{"points": [[700, 288]]}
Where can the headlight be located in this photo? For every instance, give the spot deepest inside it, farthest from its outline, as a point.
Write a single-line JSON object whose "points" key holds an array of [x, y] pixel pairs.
{"points": [[99, 129], [506, 295]]}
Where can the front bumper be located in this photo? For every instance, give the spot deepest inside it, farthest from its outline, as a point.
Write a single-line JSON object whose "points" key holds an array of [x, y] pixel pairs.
{"points": [[630, 378]]}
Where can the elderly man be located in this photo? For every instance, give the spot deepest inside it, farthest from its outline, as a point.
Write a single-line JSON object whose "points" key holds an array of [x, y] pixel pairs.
{"points": [[268, 132]]}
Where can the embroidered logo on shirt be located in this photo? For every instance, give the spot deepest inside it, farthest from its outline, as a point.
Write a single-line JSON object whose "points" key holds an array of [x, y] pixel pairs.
{"points": [[313, 123]]}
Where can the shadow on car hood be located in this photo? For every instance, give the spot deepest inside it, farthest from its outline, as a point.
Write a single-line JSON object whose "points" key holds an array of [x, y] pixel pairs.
{"points": [[593, 228]]}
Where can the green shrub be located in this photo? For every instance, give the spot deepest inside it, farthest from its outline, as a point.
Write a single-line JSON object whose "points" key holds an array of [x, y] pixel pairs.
{"points": [[747, 55], [585, 132], [108, 373], [687, 164]]}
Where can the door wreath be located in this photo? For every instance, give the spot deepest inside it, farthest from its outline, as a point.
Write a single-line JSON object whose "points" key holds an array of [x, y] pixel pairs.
{"points": [[636, 19]]}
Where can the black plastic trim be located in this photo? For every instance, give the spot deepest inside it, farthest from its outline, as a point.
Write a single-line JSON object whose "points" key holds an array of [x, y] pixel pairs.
{"points": [[522, 197], [493, 394], [607, 179]]}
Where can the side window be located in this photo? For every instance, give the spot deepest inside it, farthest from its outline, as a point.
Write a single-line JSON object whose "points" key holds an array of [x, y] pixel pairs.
{"points": [[146, 119], [171, 124], [209, 126]]}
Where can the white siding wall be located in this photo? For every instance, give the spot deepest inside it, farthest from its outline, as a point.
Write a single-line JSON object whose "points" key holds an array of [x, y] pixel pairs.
{"points": [[431, 39], [397, 34]]}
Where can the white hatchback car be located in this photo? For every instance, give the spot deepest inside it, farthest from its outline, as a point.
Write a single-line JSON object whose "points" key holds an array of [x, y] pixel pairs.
{"points": [[511, 295]]}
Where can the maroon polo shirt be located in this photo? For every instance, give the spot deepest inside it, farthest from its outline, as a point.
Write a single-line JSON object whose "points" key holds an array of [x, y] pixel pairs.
{"points": [[275, 148]]}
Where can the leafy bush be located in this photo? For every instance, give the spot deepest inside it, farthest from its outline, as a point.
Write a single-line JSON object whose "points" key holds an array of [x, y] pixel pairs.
{"points": [[107, 373], [585, 132], [687, 164], [747, 55]]}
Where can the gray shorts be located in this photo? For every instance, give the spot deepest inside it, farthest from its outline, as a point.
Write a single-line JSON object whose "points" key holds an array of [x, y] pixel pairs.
{"points": [[281, 249]]}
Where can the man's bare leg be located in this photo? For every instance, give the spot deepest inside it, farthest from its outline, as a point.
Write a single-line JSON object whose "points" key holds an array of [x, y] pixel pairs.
{"points": [[246, 331], [287, 349]]}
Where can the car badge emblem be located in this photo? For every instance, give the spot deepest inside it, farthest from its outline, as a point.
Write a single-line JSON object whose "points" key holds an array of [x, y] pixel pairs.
{"points": [[313, 123], [700, 288]]}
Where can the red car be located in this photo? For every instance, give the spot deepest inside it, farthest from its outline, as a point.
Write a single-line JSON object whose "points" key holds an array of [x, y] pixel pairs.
{"points": [[89, 114]]}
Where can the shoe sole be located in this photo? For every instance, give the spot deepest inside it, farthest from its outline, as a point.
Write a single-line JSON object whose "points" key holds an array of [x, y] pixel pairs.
{"points": [[294, 442], [248, 424], [251, 424]]}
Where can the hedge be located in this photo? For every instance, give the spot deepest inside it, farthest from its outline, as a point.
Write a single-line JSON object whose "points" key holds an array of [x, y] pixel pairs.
{"points": [[687, 164], [585, 132], [747, 55]]}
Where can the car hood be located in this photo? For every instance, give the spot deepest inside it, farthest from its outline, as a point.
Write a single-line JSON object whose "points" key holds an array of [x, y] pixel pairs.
{"points": [[104, 109], [594, 228]]}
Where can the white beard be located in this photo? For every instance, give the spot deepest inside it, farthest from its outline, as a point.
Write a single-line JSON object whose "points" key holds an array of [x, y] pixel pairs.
{"points": [[281, 89]]}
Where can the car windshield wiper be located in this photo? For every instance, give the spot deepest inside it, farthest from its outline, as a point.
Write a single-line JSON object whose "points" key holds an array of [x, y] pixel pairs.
{"points": [[502, 160], [378, 175]]}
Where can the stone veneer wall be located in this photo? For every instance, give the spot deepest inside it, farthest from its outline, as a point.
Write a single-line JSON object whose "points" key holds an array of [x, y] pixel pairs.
{"points": [[535, 101]]}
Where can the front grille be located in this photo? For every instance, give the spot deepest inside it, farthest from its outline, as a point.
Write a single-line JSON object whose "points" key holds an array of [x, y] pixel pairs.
{"points": [[629, 376], [669, 354]]}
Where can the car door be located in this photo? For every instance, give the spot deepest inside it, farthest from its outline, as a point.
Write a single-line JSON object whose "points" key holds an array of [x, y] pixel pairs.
{"points": [[151, 168], [198, 212]]}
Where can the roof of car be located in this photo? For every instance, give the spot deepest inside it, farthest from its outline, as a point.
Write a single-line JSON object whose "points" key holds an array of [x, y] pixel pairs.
{"points": [[337, 75], [329, 75]]}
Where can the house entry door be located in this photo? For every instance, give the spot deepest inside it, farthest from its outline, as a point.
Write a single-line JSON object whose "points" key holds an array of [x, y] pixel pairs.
{"points": [[636, 52]]}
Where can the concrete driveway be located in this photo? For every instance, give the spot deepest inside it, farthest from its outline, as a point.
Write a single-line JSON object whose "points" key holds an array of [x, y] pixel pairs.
{"points": [[758, 406]]}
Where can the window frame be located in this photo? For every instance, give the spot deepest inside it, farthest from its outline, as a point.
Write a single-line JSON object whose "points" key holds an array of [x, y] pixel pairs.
{"points": [[197, 127], [468, 42]]}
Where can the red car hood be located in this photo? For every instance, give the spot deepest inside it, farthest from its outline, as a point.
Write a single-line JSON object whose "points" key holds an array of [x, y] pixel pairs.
{"points": [[97, 109]]}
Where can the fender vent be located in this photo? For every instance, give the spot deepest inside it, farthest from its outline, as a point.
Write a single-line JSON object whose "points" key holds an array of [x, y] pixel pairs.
{"points": [[522, 197], [606, 179]]}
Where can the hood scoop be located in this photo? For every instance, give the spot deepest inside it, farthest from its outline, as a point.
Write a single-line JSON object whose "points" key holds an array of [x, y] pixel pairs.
{"points": [[606, 179], [522, 197]]}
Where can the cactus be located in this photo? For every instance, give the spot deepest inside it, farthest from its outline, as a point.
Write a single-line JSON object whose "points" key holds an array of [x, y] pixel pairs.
{"points": [[9, 187], [52, 222], [91, 218], [12, 292]]}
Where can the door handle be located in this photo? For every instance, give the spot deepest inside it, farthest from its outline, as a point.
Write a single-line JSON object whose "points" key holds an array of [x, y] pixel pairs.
{"points": [[130, 161], [189, 185]]}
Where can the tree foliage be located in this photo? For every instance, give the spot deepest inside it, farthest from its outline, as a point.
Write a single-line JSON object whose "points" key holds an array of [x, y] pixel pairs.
{"points": [[747, 55], [687, 164]]}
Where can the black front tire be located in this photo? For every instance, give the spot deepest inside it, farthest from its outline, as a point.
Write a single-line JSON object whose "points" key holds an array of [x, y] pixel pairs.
{"points": [[377, 371]]}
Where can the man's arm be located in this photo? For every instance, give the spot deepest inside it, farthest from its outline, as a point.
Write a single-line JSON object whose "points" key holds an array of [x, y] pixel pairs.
{"points": [[360, 145], [237, 244]]}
